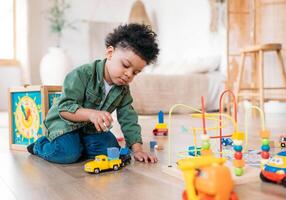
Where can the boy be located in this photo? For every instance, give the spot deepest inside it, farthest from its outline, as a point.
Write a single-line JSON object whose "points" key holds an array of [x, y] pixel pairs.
{"points": [[78, 124]]}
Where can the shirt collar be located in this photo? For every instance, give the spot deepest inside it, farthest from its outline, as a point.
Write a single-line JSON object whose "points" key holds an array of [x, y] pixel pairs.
{"points": [[100, 72]]}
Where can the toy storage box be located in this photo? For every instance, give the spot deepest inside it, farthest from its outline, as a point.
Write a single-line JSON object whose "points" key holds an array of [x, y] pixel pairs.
{"points": [[28, 106]]}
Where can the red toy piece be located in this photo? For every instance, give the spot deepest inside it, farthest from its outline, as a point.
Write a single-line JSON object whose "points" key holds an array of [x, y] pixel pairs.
{"points": [[162, 131]]}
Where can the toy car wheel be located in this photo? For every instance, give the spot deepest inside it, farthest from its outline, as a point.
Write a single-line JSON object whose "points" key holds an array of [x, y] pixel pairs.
{"points": [[263, 178], [115, 167], [122, 164], [96, 171], [283, 145], [284, 182]]}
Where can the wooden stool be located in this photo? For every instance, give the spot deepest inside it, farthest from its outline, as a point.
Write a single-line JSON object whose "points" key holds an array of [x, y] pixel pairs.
{"points": [[257, 89]]}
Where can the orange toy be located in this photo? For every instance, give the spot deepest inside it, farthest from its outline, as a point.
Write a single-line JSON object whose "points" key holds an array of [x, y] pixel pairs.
{"points": [[206, 178]]}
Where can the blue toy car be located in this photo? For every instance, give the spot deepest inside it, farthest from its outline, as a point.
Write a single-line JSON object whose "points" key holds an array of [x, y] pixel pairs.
{"points": [[226, 141]]}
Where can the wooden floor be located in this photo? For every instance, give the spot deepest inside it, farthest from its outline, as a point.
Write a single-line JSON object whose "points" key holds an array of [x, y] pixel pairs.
{"points": [[23, 176]]}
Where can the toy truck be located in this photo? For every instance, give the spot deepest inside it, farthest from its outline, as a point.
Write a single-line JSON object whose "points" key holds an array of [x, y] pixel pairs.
{"points": [[206, 178], [101, 163], [282, 141]]}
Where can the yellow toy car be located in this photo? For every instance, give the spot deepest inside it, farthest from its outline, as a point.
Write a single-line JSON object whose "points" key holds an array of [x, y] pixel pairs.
{"points": [[100, 163], [275, 169]]}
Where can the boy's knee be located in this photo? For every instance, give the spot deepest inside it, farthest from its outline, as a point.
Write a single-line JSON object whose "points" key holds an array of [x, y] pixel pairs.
{"points": [[66, 157], [71, 157]]}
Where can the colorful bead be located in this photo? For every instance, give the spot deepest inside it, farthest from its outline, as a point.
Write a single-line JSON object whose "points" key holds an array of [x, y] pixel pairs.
{"points": [[206, 152], [206, 145], [265, 154], [238, 163], [238, 136], [205, 137], [265, 141], [238, 171], [265, 134], [237, 147], [265, 147], [238, 155], [237, 142]]}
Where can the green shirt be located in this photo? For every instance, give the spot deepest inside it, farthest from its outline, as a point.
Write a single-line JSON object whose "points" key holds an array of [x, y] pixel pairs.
{"points": [[84, 88]]}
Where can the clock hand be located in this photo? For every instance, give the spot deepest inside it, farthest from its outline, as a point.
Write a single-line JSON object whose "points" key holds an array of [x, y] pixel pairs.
{"points": [[28, 113], [23, 111]]}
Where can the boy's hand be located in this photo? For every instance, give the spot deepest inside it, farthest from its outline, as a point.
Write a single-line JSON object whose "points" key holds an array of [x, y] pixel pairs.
{"points": [[102, 120], [141, 155]]}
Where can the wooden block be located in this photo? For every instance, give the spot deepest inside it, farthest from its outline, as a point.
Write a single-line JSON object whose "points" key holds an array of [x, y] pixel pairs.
{"points": [[28, 107]]}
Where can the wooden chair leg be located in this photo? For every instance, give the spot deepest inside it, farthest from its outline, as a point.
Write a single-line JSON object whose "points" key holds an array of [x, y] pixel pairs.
{"points": [[254, 79], [261, 80], [282, 66], [240, 76]]}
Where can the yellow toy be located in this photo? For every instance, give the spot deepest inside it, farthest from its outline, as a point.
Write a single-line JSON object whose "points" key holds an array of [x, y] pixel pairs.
{"points": [[101, 163], [206, 178]]}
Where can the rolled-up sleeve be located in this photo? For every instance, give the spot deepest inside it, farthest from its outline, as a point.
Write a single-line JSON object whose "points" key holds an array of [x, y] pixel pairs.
{"points": [[73, 93], [128, 120]]}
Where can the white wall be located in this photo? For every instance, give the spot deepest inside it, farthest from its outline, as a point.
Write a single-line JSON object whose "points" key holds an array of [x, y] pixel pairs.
{"points": [[182, 27], [10, 77]]}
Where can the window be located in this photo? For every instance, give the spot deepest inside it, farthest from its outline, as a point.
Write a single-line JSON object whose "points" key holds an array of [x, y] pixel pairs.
{"points": [[8, 32]]}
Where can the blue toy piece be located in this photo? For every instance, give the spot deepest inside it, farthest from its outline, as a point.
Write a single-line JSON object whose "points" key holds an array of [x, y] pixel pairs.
{"points": [[125, 156], [226, 141], [113, 153], [153, 144], [160, 117], [192, 151], [124, 151]]}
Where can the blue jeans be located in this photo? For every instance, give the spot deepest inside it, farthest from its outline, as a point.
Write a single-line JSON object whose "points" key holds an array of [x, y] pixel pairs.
{"points": [[69, 147]]}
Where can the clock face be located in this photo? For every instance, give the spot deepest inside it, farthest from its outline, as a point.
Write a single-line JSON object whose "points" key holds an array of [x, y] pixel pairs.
{"points": [[27, 117]]}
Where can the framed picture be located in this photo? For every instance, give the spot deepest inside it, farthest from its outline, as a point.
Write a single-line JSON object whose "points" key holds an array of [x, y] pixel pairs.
{"points": [[28, 107]]}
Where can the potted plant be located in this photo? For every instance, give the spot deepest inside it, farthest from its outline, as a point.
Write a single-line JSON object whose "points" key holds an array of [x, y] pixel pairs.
{"points": [[55, 64]]}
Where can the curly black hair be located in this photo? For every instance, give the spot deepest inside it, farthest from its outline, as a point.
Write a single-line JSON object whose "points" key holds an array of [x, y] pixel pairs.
{"points": [[138, 37]]}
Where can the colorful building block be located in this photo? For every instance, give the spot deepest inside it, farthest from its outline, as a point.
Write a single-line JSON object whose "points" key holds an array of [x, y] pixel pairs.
{"points": [[113, 153]]}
